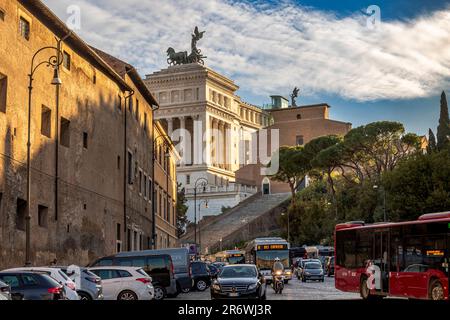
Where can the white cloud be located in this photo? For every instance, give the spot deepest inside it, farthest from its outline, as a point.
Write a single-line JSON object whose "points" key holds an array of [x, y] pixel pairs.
{"points": [[269, 50]]}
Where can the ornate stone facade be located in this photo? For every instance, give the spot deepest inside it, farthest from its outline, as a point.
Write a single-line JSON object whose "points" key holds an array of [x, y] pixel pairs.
{"points": [[213, 127]]}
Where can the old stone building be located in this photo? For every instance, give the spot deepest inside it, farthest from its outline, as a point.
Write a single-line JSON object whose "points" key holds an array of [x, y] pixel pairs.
{"points": [[296, 126], [165, 184], [91, 149], [219, 128]]}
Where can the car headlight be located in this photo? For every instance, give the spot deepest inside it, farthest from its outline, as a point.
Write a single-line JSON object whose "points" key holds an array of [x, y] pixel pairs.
{"points": [[216, 287], [252, 286], [288, 272], [278, 273]]}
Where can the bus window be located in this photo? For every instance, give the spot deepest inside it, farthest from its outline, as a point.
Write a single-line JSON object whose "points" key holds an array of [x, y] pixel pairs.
{"points": [[124, 262], [104, 262]]}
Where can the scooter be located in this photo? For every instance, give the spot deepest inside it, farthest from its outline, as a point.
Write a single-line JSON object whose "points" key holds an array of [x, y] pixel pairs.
{"points": [[278, 282]]}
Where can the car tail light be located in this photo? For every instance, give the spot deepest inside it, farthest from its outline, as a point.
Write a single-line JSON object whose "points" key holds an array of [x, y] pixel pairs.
{"points": [[144, 280], [4, 289], [55, 290], [94, 280]]}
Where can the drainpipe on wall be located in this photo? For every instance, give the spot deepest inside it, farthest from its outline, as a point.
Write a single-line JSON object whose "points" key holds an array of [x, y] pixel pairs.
{"points": [[57, 95], [125, 182], [153, 179]]}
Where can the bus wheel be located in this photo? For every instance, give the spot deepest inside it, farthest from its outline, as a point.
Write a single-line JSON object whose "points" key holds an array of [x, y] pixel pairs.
{"points": [[436, 292]]}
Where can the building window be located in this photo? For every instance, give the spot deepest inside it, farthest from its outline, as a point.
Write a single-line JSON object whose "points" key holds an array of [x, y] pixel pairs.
{"points": [[150, 190], [188, 179], [145, 186], [128, 240], [164, 210], [137, 109], [145, 122], [85, 140], [42, 216], [66, 60], [299, 140], [119, 103], [2, 15], [130, 105], [24, 28], [135, 241], [130, 168], [160, 204], [118, 162], [21, 210], [65, 132], [168, 210], [3, 92], [140, 182], [94, 77], [299, 116], [46, 121], [118, 237]]}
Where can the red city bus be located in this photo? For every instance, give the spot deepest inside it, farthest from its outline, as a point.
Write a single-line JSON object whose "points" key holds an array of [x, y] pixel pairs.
{"points": [[405, 259]]}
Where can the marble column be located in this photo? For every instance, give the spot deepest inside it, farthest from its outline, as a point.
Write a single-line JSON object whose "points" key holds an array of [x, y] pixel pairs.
{"points": [[216, 134], [206, 139], [221, 144], [197, 139], [183, 139]]}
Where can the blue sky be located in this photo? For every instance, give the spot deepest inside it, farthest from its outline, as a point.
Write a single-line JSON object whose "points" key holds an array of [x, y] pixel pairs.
{"points": [[394, 71]]}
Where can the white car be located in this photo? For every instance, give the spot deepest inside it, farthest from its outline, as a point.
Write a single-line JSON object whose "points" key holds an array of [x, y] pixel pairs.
{"points": [[125, 283], [59, 276]]}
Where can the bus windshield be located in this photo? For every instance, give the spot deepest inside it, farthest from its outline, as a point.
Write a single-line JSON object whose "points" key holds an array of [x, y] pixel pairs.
{"points": [[265, 259], [236, 259]]}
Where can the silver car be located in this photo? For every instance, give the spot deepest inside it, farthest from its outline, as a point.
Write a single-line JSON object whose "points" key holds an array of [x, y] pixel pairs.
{"points": [[5, 291], [89, 285]]}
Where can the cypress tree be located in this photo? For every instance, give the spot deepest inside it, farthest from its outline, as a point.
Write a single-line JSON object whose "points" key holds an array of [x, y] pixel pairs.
{"points": [[431, 142], [443, 130]]}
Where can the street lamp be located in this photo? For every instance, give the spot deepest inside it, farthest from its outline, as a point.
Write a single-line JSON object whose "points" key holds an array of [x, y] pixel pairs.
{"points": [[167, 156], [204, 182], [53, 61], [375, 187], [199, 219]]}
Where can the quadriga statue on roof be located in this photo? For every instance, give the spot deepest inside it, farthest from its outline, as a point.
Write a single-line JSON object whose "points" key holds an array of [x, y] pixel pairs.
{"points": [[176, 58]]}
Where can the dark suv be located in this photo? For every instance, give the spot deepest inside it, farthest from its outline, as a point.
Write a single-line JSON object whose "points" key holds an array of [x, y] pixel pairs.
{"points": [[26, 285], [200, 275], [159, 267]]}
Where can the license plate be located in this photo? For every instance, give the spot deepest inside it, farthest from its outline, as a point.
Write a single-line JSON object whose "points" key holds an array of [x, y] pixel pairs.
{"points": [[233, 294]]}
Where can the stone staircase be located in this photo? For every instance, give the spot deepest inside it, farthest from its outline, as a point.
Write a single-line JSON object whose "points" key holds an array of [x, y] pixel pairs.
{"points": [[244, 213]]}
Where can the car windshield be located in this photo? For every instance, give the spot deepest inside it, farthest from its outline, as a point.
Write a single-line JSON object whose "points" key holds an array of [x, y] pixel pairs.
{"points": [[238, 272], [313, 265]]}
